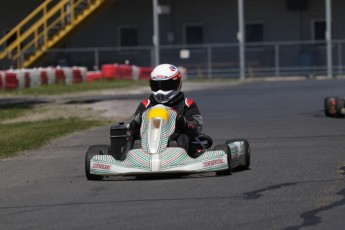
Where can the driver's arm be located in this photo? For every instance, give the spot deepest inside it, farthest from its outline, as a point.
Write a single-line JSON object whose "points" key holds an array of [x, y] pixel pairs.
{"points": [[193, 126], [135, 123]]}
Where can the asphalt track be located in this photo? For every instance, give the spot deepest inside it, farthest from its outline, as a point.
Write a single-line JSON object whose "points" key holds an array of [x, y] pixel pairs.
{"points": [[296, 181]]}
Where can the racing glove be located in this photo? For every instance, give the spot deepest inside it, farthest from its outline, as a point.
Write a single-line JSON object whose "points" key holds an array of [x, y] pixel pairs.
{"points": [[137, 118], [134, 126], [181, 122]]}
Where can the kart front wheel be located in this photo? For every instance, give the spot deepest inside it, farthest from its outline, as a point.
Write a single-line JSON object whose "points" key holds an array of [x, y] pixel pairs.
{"points": [[329, 106], [226, 149], [91, 152]]}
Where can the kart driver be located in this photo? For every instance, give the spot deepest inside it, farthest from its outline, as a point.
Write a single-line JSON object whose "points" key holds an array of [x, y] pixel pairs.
{"points": [[165, 83]]}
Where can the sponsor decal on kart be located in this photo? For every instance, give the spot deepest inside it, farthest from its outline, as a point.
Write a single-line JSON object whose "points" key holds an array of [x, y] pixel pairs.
{"points": [[213, 162], [101, 166]]}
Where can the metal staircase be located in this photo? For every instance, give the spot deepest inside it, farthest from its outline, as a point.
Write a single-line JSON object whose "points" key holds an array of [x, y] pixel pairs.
{"points": [[44, 28]]}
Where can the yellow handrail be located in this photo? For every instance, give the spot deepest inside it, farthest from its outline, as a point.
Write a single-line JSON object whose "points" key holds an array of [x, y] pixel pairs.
{"points": [[24, 21], [35, 26], [56, 17]]}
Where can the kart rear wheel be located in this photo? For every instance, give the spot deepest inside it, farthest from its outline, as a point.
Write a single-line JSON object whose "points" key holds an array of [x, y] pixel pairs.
{"points": [[329, 106], [339, 106], [226, 149], [91, 152], [246, 152]]}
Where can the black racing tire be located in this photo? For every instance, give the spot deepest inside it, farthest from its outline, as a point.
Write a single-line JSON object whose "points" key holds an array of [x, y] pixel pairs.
{"points": [[226, 149], [246, 152], [90, 153], [339, 106], [329, 106]]}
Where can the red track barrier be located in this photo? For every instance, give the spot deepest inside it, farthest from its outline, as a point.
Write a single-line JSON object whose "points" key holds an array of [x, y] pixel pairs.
{"points": [[27, 80], [125, 72], [109, 71], [11, 81], [145, 72], [44, 77], [94, 76], [77, 77], [60, 76]]}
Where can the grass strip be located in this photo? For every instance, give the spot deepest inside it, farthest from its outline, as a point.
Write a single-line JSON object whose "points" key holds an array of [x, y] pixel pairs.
{"points": [[58, 89], [24, 136], [12, 111], [112, 84]]}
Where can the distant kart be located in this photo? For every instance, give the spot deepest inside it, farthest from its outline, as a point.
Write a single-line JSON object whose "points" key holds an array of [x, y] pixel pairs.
{"points": [[334, 106], [154, 154]]}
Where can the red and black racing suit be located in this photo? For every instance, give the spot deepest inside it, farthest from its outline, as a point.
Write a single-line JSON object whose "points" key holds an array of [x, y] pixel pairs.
{"points": [[188, 122]]}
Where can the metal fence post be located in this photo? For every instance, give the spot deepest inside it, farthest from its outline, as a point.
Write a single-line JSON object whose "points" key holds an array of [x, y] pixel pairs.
{"points": [[153, 57], [340, 61], [22, 59], [209, 62], [276, 60], [96, 67]]}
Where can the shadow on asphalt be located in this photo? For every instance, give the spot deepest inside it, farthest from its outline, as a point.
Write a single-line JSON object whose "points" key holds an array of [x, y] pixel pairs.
{"points": [[10, 103], [169, 176]]}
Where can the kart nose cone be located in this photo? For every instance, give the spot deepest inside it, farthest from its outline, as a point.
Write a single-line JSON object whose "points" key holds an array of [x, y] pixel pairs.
{"points": [[158, 112]]}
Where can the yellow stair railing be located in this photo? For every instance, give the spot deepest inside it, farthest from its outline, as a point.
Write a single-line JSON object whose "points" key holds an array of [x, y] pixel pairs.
{"points": [[43, 28]]}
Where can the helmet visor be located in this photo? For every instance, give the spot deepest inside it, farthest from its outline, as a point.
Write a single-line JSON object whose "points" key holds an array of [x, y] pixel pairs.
{"points": [[166, 85]]}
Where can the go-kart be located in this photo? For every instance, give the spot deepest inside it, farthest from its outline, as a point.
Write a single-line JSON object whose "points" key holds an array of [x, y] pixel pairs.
{"points": [[334, 106], [156, 154]]}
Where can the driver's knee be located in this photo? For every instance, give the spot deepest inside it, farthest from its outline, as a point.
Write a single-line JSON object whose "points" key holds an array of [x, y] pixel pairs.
{"points": [[183, 142]]}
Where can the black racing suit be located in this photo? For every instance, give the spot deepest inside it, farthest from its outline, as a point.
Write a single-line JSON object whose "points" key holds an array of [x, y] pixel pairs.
{"points": [[188, 122]]}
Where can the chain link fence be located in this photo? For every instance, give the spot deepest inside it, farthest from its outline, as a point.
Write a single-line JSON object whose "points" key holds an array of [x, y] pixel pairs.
{"points": [[307, 58]]}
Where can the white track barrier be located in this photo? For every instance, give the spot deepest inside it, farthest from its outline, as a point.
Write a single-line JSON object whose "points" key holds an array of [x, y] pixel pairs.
{"points": [[135, 72], [51, 75], [3, 80], [68, 75], [83, 72], [20, 75]]}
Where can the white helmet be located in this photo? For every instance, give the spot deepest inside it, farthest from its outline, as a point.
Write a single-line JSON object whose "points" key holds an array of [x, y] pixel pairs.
{"points": [[165, 82]]}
